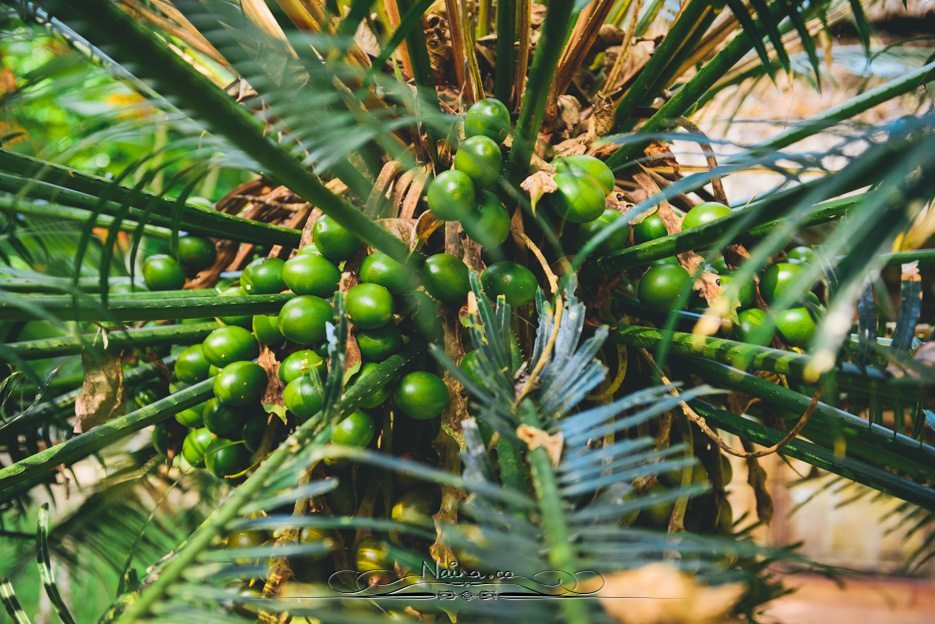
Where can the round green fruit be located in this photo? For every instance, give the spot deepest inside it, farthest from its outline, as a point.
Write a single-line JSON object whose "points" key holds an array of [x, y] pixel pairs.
{"points": [[480, 158], [488, 117], [379, 268], [372, 555], [578, 199], [191, 417], [616, 241], [191, 366], [777, 278], [225, 421], [703, 214], [747, 294], [451, 195], [163, 272], [661, 286], [241, 320], [245, 539], [510, 279], [422, 316], [357, 429], [302, 320], [802, 255], [415, 507], [796, 326], [196, 253], [240, 383], [749, 324], [263, 276], [333, 240], [266, 329], [489, 225], [300, 363], [378, 344], [302, 397], [588, 166], [226, 458], [650, 228], [445, 277], [422, 395], [469, 366], [309, 274], [252, 432], [226, 345], [315, 535], [195, 444], [369, 306]]}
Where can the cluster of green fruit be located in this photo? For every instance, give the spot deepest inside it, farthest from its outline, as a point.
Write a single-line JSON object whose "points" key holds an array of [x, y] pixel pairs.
{"points": [[466, 193], [387, 308], [386, 311], [166, 272], [660, 287]]}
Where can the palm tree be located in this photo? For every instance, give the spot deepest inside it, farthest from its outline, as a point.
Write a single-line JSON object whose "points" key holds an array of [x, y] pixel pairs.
{"points": [[587, 435]]}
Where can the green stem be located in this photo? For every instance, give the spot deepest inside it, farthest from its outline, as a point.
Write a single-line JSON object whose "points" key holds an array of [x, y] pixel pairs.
{"points": [[483, 18], [64, 213], [57, 284], [554, 525], [510, 463], [505, 52], [815, 455], [117, 340], [209, 530], [83, 445], [922, 256], [652, 78], [421, 66], [541, 74], [686, 96], [130, 308], [86, 190], [760, 218], [884, 445], [176, 78], [743, 355]]}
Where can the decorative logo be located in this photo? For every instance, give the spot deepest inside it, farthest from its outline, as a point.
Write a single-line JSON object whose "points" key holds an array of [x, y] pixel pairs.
{"points": [[435, 582]]}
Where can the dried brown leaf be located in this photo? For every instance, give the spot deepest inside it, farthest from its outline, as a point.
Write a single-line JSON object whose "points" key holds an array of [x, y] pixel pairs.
{"points": [[102, 392], [426, 225], [537, 185], [536, 438], [658, 154], [272, 397], [756, 479]]}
